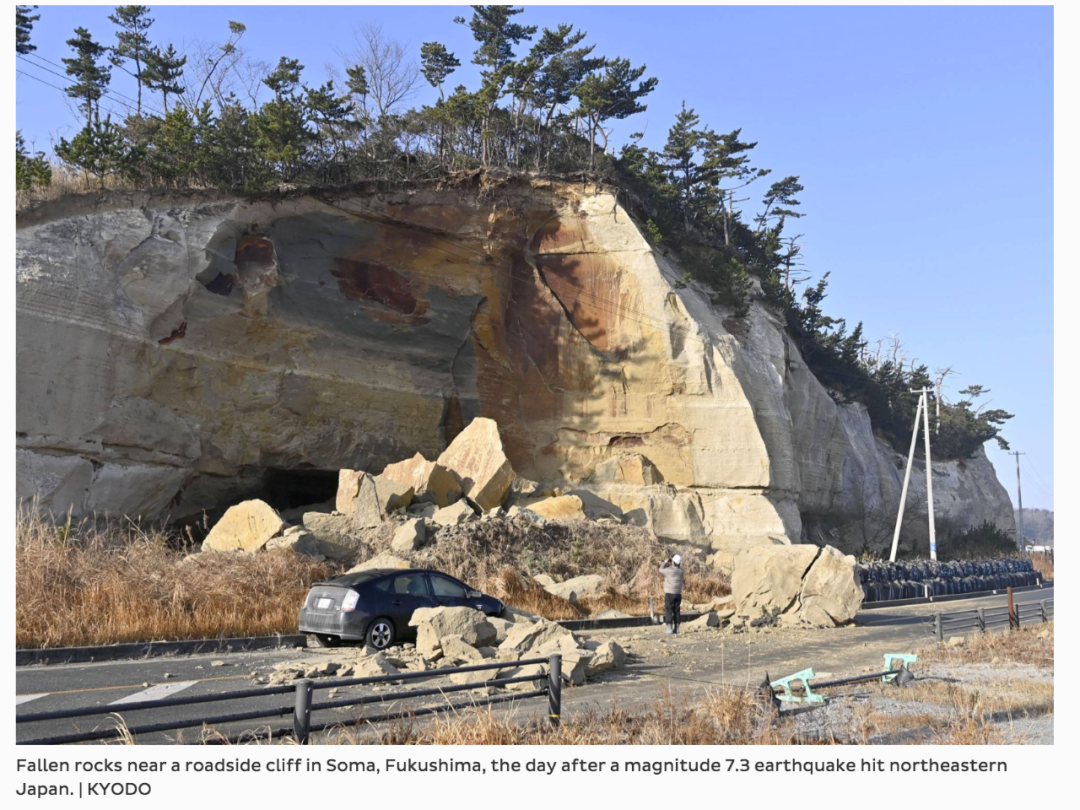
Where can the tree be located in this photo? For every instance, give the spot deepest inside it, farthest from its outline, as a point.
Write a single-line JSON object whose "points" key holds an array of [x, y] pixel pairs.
{"points": [[280, 125], [91, 78], [680, 159], [496, 33], [780, 202], [213, 73], [31, 170], [163, 72], [611, 94], [132, 44], [437, 64], [24, 23], [390, 74], [98, 149]]}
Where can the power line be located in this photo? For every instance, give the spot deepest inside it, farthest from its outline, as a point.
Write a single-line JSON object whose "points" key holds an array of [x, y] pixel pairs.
{"points": [[115, 95], [61, 89]]}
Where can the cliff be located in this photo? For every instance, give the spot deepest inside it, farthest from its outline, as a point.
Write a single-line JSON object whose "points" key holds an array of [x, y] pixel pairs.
{"points": [[179, 351]]}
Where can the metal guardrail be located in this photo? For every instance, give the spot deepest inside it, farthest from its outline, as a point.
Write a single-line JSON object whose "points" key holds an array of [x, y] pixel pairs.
{"points": [[303, 689], [988, 619]]}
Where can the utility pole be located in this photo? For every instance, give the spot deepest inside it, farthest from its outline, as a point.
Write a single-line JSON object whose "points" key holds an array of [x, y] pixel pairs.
{"points": [[1021, 540], [921, 410], [929, 474], [907, 478]]}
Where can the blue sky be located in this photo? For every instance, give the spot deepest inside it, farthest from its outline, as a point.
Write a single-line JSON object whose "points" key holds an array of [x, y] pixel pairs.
{"points": [[924, 137]]}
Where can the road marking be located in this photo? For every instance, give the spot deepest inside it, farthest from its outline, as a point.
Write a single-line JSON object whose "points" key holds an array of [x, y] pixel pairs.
{"points": [[135, 686], [21, 699], [155, 692]]}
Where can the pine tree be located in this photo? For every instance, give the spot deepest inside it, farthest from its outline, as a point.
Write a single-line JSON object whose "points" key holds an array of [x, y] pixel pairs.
{"points": [[611, 95], [98, 149], [132, 44], [91, 78], [163, 72], [24, 23], [31, 170], [437, 64]]}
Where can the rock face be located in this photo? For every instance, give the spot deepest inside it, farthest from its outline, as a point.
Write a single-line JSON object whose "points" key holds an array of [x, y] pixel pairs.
{"points": [[795, 584], [176, 351], [247, 527]]}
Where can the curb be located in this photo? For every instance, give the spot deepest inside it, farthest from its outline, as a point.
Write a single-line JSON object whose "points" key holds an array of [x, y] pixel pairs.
{"points": [[153, 649], [952, 597]]}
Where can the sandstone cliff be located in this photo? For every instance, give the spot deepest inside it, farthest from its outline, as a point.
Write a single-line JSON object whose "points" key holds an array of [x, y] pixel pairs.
{"points": [[177, 351]]}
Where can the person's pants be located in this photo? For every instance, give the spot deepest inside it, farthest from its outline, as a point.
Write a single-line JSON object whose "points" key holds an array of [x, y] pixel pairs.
{"points": [[672, 608]]}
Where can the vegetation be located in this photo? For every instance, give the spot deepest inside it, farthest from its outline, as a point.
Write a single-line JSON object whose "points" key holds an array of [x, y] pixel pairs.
{"points": [[546, 102], [978, 542]]}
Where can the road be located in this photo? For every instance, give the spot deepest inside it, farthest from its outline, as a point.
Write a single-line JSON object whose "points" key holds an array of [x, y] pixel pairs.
{"points": [[684, 666]]}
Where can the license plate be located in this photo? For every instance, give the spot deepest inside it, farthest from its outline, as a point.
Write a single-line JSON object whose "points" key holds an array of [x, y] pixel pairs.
{"points": [[324, 603]]}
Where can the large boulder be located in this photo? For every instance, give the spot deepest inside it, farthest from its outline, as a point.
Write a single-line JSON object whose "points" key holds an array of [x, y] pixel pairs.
{"points": [[368, 500], [431, 481], [476, 456], [608, 655], [334, 533], [300, 541], [409, 536], [795, 584], [524, 637], [246, 527], [583, 587], [434, 624], [563, 507], [830, 592], [767, 579]]}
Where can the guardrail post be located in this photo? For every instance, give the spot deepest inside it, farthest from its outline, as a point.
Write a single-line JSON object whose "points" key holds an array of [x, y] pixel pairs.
{"points": [[302, 713], [937, 627], [555, 689], [652, 611], [982, 621], [1014, 620], [1042, 610]]}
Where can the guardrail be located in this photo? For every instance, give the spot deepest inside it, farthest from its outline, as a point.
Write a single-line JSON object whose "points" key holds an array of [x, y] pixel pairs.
{"points": [[549, 684], [988, 619]]}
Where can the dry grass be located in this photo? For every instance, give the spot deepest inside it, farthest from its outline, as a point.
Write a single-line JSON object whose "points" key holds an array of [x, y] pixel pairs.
{"points": [[1032, 644], [109, 582], [1044, 564], [65, 183], [118, 582]]}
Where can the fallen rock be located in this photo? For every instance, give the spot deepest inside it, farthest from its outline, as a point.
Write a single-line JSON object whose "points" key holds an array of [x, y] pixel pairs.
{"points": [[334, 533], [545, 580], [456, 651], [830, 594], [515, 616], [607, 656], [575, 666], [502, 627], [299, 541], [477, 457], [409, 536], [368, 500], [525, 637], [455, 514], [583, 587], [767, 579], [374, 665], [430, 480], [956, 641], [520, 513], [710, 619], [563, 507], [535, 671], [437, 623], [385, 560], [611, 613], [246, 527]]}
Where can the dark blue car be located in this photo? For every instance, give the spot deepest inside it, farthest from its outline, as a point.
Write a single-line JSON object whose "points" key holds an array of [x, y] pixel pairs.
{"points": [[375, 606]]}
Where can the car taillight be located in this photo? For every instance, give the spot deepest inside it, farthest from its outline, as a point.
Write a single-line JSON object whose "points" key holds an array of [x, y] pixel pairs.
{"points": [[350, 600]]}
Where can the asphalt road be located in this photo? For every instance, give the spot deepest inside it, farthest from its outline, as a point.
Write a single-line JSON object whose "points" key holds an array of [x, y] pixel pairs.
{"points": [[683, 666]]}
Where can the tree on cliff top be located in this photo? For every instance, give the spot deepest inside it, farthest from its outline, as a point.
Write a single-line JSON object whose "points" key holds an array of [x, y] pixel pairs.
{"points": [[91, 78], [24, 24]]}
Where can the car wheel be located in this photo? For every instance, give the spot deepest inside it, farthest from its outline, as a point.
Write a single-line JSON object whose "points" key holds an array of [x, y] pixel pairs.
{"points": [[380, 634]]}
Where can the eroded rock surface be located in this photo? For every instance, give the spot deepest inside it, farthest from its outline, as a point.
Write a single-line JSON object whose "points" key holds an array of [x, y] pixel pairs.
{"points": [[173, 350]]}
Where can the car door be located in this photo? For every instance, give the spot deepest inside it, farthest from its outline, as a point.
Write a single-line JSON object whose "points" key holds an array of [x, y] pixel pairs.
{"points": [[406, 593], [452, 593]]}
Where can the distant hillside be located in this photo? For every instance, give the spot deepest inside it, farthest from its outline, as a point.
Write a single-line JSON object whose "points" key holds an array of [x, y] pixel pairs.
{"points": [[1038, 526]]}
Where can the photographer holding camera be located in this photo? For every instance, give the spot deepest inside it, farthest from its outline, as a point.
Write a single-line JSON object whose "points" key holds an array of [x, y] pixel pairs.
{"points": [[673, 587]]}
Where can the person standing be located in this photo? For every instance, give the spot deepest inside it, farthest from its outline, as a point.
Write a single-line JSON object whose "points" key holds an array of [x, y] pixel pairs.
{"points": [[673, 587]]}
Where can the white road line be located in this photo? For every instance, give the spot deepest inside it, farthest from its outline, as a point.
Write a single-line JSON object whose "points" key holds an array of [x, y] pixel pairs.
{"points": [[21, 699], [155, 692]]}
